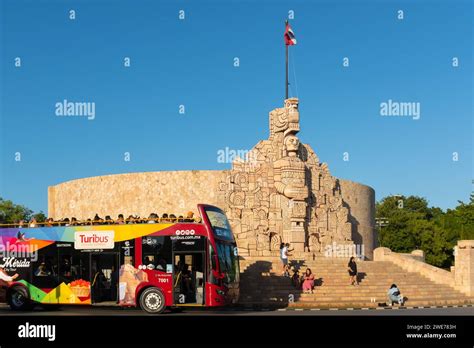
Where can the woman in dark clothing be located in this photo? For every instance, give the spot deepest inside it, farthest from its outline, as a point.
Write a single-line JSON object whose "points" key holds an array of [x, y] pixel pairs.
{"points": [[352, 269]]}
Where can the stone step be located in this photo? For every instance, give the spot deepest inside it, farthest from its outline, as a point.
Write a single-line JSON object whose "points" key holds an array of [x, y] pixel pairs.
{"points": [[350, 299], [332, 285], [347, 289], [350, 304], [345, 282], [348, 293]]}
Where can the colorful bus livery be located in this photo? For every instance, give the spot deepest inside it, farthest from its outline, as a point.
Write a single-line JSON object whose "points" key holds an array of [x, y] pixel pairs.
{"points": [[151, 265]]}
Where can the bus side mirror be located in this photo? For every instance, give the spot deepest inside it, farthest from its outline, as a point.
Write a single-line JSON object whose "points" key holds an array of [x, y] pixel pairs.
{"points": [[218, 275]]}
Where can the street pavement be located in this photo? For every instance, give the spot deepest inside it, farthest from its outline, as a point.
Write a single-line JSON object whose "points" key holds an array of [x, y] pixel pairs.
{"points": [[118, 311]]}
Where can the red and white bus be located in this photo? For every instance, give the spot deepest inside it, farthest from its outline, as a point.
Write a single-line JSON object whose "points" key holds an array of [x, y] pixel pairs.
{"points": [[153, 266]]}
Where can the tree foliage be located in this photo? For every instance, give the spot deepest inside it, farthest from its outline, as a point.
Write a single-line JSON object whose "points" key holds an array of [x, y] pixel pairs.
{"points": [[13, 213], [412, 224]]}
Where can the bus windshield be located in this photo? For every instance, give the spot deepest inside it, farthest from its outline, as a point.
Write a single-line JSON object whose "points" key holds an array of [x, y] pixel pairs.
{"points": [[228, 261], [220, 225]]}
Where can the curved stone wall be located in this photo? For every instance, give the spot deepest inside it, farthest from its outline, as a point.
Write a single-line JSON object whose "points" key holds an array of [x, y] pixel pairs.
{"points": [[173, 192], [176, 192], [361, 201]]}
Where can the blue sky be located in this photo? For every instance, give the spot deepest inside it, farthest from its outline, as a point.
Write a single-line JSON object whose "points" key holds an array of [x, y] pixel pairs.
{"points": [[190, 62]]}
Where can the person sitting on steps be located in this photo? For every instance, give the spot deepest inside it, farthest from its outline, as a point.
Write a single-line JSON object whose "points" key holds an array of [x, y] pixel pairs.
{"points": [[296, 279], [308, 283], [394, 295]]}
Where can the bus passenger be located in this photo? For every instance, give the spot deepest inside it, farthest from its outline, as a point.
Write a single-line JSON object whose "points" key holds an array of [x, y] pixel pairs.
{"points": [[97, 220], [120, 220], [161, 265], [152, 218], [42, 271], [189, 217], [65, 268], [32, 223], [108, 220]]}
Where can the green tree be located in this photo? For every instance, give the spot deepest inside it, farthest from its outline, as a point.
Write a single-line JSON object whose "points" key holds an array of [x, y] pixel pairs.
{"points": [[415, 225], [12, 213]]}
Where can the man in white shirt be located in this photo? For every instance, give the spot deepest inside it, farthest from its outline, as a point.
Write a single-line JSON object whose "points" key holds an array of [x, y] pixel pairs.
{"points": [[284, 258]]}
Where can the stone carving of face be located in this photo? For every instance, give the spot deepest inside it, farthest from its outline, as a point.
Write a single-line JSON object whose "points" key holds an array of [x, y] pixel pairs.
{"points": [[293, 116], [286, 119], [292, 144]]}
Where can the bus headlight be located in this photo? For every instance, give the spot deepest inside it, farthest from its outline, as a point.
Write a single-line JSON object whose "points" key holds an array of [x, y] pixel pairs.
{"points": [[220, 292]]}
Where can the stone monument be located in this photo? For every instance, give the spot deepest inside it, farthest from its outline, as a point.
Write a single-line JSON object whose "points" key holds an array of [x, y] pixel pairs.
{"points": [[280, 193], [283, 193]]}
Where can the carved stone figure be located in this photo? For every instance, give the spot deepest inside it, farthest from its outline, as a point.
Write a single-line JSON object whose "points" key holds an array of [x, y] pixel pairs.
{"points": [[284, 193]]}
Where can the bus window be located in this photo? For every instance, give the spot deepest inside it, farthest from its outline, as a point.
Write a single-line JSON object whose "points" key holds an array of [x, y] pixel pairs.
{"points": [[228, 261], [212, 266], [156, 252], [220, 225], [212, 254], [45, 268]]}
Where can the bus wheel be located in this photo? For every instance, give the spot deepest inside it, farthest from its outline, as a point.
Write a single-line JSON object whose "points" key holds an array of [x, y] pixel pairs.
{"points": [[19, 300], [152, 301]]}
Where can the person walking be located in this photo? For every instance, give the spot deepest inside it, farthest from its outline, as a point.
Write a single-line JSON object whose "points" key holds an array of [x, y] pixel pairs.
{"points": [[284, 258], [352, 269]]}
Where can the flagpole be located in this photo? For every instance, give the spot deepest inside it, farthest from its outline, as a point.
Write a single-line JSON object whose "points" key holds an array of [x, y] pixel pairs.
{"points": [[286, 83]]}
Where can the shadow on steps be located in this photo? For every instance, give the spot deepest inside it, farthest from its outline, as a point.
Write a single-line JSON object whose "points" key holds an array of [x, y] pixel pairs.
{"points": [[257, 285]]}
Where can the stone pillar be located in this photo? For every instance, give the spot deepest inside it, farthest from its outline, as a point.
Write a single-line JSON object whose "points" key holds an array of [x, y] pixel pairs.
{"points": [[419, 255], [464, 266], [380, 253], [298, 237]]}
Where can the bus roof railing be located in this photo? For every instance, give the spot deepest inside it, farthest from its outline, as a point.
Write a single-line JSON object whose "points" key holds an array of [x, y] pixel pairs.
{"points": [[126, 221]]}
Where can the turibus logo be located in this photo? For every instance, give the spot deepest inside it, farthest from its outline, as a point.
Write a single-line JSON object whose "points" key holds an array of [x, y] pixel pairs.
{"points": [[94, 240]]}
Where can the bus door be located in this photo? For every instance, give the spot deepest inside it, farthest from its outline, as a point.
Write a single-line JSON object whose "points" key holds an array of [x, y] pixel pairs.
{"points": [[188, 277], [189, 269], [104, 277]]}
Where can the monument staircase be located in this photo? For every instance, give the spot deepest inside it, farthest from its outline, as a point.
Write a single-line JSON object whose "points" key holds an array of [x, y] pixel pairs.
{"points": [[262, 285]]}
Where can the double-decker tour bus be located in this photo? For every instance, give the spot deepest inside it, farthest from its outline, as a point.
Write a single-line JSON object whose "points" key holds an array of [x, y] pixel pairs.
{"points": [[153, 266]]}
